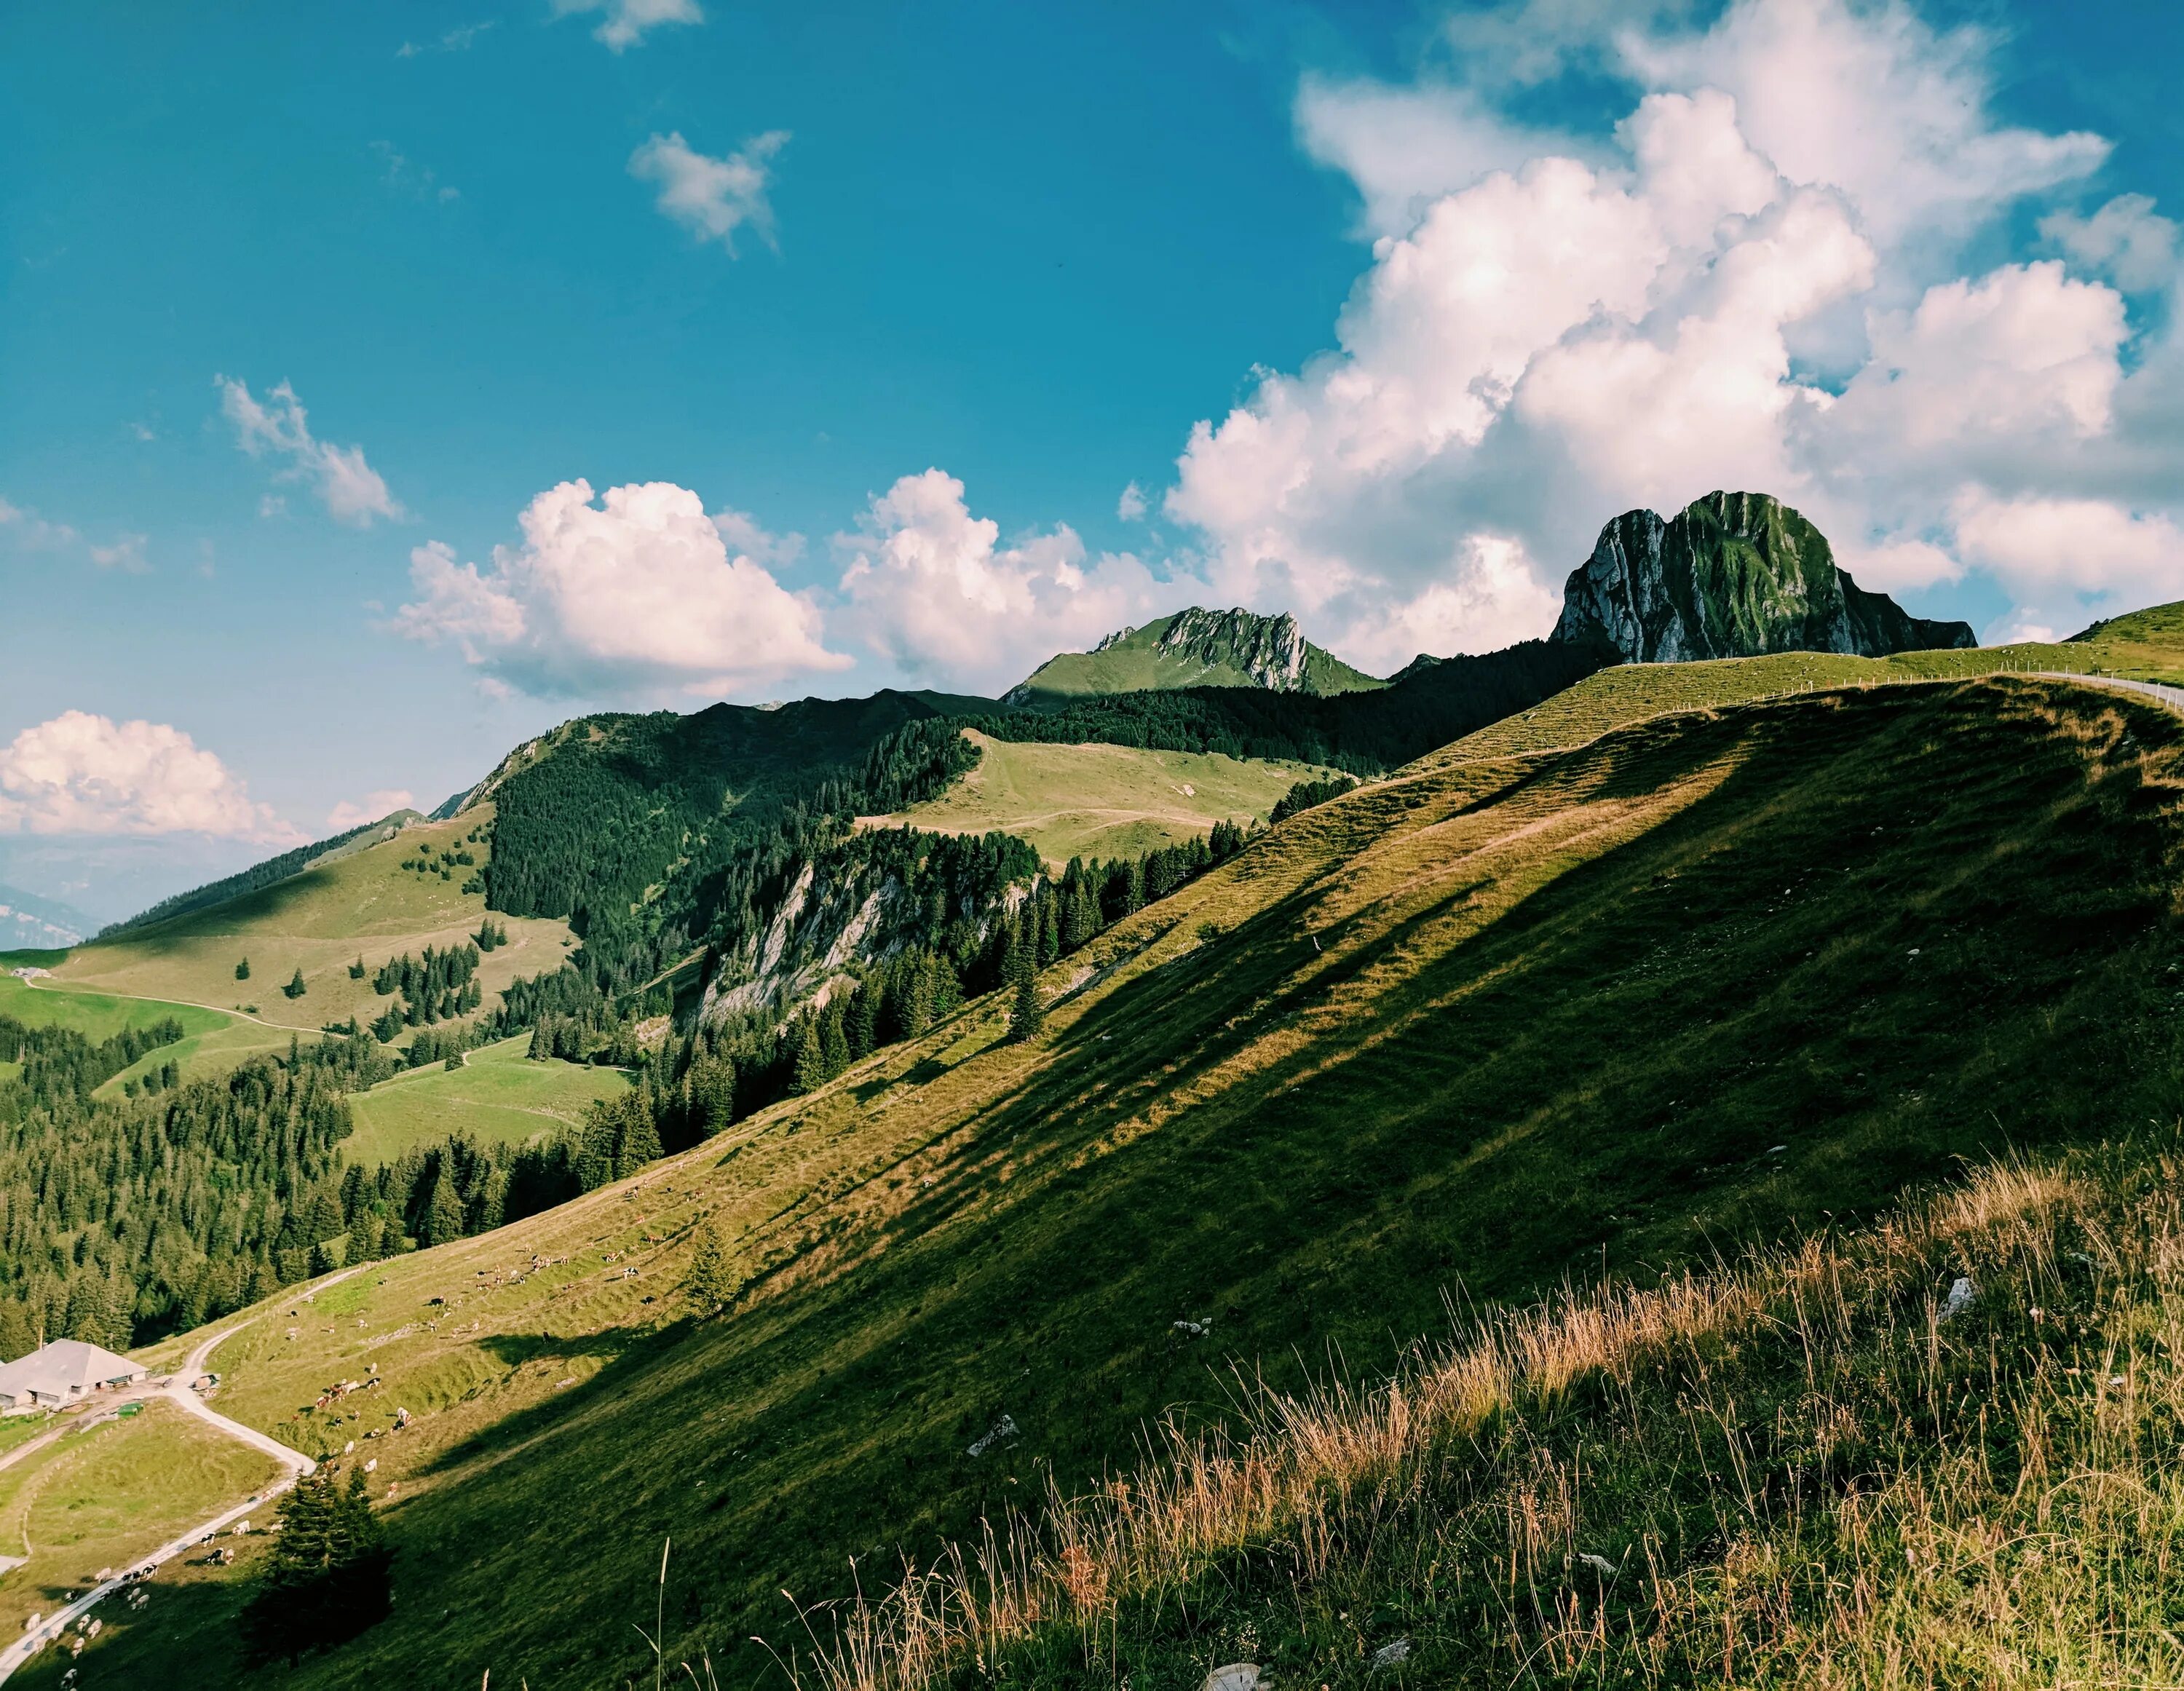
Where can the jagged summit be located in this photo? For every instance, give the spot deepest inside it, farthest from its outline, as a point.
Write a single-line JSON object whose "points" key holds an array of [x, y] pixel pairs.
{"points": [[1731, 575], [1195, 648]]}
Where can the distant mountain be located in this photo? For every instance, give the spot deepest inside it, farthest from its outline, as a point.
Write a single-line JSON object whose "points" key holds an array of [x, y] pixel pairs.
{"points": [[1731, 575], [1195, 648], [30, 923]]}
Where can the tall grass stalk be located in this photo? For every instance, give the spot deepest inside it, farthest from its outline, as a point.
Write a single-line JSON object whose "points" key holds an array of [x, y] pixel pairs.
{"points": [[1791, 1469]]}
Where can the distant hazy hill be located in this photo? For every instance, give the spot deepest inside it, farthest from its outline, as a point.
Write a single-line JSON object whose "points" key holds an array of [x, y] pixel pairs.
{"points": [[30, 923], [1732, 576], [1195, 648]]}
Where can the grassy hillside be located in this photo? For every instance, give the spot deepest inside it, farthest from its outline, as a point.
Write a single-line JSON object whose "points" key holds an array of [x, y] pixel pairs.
{"points": [[1484, 1026], [498, 1097], [1101, 801], [356, 903]]}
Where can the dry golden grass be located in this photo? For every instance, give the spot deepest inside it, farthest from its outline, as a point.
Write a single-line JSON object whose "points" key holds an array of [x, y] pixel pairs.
{"points": [[2036, 1539]]}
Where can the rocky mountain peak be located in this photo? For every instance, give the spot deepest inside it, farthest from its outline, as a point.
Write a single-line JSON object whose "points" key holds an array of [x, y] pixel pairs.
{"points": [[1731, 575], [1270, 649]]}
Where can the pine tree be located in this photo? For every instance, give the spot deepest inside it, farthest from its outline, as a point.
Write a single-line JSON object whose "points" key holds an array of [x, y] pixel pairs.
{"points": [[242, 970], [356, 969], [811, 1072], [443, 1219], [1027, 1014], [713, 1093], [640, 1137], [709, 1284], [541, 1047], [295, 988], [833, 1042], [325, 1580]]}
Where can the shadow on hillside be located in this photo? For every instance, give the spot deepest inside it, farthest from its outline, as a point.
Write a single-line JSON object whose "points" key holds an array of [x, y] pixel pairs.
{"points": [[1714, 1023]]}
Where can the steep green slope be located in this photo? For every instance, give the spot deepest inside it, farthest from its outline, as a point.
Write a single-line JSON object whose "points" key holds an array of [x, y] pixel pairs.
{"points": [[1486, 1024]]}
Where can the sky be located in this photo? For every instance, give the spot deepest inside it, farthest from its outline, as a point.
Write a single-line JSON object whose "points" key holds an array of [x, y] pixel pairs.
{"points": [[381, 384]]}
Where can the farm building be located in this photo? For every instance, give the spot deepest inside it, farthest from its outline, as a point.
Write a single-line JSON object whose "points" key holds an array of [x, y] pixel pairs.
{"points": [[61, 1373]]}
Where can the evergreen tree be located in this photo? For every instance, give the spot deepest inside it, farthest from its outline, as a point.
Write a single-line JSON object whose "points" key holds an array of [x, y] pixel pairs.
{"points": [[713, 1091], [443, 1219], [709, 1284], [640, 1137], [834, 1041], [811, 1072], [295, 988], [1027, 1014], [542, 1047], [356, 969], [325, 1578], [242, 970]]}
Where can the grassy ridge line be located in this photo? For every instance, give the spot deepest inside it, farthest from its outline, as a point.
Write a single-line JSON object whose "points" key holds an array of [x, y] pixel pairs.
{"points": [[1482, 1071], [1629, 693]]}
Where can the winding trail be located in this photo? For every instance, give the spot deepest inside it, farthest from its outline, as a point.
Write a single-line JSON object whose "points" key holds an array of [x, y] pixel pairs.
{"points": [[175, 1388]]}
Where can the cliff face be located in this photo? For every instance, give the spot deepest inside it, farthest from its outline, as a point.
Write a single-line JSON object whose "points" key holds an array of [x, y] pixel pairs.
{"points": [[1731, 575], [1195, 648], [1270, 649]]}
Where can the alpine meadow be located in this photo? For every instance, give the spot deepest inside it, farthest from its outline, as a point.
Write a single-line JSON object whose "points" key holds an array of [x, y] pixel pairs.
{"points": [[1462, 968]]}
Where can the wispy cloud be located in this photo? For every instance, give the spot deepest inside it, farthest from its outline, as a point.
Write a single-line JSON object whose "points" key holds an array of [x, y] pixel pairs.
{"points": [[406, 176], [457, 40], [625, 22], [712, 197], [25, 530], [351, 490]]}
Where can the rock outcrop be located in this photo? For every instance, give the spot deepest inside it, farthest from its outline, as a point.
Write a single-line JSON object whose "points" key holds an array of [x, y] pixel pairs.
{"points": [[1270, 649], [1731, 575], [1194, 648]]}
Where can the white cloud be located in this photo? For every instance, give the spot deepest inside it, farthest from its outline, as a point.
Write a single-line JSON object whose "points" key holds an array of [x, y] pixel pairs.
{"points": [[2048, 551], [712, 197], [930, 588], [126, 554], [350, 488], [2023, 354], [1760, 283], [2126, 239], [1131, 507], [385, 802], [406, 176], [1873, 102], [636, 593], [81, 774], [625, 22], [27, 529]]}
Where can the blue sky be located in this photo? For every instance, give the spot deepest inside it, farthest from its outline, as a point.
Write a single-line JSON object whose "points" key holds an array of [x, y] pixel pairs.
{"points": [[882, 311]]}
